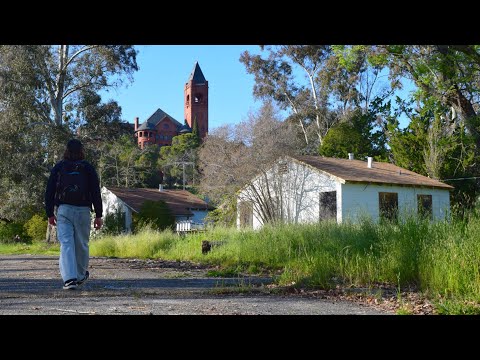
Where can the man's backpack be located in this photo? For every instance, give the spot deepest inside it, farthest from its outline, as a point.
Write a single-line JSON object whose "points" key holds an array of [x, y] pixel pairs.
{"points": [[72, 183]]}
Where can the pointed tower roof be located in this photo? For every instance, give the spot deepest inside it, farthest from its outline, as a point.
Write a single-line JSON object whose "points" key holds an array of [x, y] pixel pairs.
{"points": [[197, 76]]}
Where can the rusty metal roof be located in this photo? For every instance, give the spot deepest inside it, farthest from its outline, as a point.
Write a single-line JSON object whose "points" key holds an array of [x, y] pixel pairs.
{"points": [[351, 171], [180, 202]]}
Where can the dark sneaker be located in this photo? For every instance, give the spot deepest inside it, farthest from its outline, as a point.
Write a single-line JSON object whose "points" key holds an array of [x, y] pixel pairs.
{"points": [[87, 275], [70, 284]]}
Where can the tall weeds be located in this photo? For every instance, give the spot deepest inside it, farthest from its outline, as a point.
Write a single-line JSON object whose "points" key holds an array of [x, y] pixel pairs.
{"points": [[440, 258]]}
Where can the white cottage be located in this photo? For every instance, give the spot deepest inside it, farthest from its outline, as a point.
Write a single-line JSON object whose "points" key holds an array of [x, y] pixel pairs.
{"points": [[183, 204], [313, 188]]}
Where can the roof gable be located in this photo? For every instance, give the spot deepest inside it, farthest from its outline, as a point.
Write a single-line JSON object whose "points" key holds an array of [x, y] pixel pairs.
{"points": [[158, 116]]}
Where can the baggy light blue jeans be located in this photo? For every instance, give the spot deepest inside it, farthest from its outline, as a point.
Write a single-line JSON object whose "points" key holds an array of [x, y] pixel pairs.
{"points": [[73, 231]]}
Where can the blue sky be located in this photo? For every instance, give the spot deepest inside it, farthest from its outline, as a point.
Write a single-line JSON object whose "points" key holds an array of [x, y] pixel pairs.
{"points": [[164, 70]]}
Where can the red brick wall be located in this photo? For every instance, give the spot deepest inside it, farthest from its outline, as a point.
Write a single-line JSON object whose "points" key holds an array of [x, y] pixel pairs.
{"points": [[198, 109]]}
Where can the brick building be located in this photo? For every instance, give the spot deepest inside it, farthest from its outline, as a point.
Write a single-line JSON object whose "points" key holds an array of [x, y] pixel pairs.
{"points": [[160, 127]]}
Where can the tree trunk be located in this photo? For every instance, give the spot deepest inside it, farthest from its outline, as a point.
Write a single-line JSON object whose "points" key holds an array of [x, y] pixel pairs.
{"points": [[57, 101]]}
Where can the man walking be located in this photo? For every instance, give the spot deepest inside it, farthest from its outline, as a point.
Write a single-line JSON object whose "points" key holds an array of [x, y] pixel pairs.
{"points": [[73, 187]]}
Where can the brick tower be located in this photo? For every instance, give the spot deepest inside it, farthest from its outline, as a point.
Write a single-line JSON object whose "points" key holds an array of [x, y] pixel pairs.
{"points": [[196, 101]]}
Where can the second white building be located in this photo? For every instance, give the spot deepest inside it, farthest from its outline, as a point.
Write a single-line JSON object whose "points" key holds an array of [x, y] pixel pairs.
{"points": [[313, 188]]}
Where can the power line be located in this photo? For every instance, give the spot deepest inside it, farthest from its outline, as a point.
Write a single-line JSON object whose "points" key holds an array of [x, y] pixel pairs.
{"points": [[465, 178]]}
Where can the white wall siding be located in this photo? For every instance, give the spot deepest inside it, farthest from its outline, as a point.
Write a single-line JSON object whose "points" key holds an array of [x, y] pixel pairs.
{"points": [[363, 200], [300, 189], [441, 204], [300, 186], [111, 204], [338, 188], [257, 222]]}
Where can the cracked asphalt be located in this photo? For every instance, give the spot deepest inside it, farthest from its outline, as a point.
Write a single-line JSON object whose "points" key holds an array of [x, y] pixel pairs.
{"points": [[31, 285]]}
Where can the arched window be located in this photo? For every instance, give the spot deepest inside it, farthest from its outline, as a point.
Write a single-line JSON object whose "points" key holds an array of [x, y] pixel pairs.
{"points": [[140, 134], [198, 98], [188, 99]]}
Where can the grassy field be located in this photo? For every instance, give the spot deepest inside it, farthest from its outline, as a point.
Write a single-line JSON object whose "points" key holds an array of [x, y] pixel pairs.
{"points": [[441, 259], [37, 248]]}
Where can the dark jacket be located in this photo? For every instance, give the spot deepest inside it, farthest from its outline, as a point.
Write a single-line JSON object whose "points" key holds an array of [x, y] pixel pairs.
{"points": [[94, 198]]}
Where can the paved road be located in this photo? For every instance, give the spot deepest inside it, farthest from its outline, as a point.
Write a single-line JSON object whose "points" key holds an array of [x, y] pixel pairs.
{"points": [[31, 285]]}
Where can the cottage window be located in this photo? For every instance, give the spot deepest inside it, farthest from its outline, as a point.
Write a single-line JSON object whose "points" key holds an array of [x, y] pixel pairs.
{"points": [[388, 203], [425, 206], [328, 205]]}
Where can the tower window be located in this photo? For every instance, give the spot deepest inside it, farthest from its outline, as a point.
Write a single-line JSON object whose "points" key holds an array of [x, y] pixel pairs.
{"points": [[188, 99], [198, 98]]}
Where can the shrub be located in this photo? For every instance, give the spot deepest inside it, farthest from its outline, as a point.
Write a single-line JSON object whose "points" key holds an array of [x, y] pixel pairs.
{"points": [[155, 213], [11, 232], [114, 223], [36, 228], [224, 215]]}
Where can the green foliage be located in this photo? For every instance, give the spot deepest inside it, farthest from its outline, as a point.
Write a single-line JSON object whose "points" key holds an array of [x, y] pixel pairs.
{"points": [[157, 214], [224, 215], [148, 243], [407, 145], [36, 227], [183, 149], [344, 139], [119, 163], [37, 248], [356, 135], [349, 56], [9, 231], [195, 131], [432, 146], [457, 307], [36, 122], [442, 259], [146, 166], [114, 223]]}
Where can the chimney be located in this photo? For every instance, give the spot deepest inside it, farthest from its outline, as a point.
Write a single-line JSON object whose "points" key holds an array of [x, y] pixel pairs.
{"points": [[136, 123], [370, 162], [160, 186], [350, 156]]}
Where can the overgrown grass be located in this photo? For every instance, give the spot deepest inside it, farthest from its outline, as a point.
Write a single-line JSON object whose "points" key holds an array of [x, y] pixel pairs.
{"points": [[441, 259], [35, 248]]}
